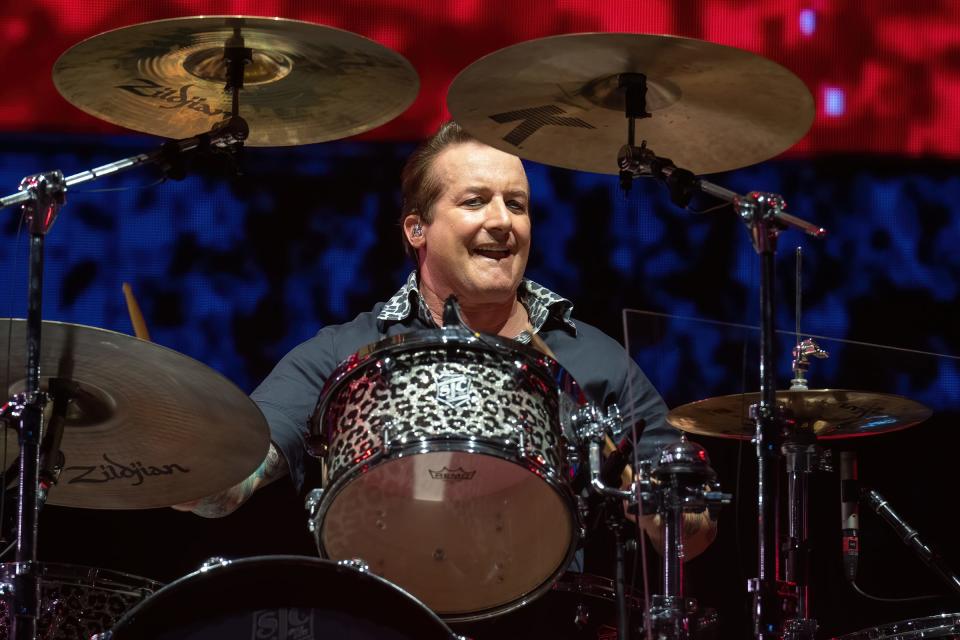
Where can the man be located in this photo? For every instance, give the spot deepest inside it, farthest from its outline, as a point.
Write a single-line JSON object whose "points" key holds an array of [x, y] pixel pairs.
{"points": [[466, 222]]}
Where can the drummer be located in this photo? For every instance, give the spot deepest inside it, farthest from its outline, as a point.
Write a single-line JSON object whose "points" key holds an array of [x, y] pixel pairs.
{"points": [[466, 222]]}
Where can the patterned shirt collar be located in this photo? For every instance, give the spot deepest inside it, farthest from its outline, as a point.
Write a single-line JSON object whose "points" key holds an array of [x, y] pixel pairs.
{"points": [[540, 302]]}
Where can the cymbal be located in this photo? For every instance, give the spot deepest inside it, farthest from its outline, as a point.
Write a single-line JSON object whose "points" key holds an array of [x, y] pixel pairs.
{"points": [[830, 413], [147, 426], [306, 82], [555, 100]]}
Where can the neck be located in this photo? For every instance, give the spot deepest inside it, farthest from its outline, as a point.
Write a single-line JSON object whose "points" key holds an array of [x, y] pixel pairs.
{"points": [[507, 318]]}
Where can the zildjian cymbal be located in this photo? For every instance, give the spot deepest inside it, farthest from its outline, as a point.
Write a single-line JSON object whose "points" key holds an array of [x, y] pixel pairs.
{"points": [[556, 100], [304, 83], [828, 413], [145, 426]]}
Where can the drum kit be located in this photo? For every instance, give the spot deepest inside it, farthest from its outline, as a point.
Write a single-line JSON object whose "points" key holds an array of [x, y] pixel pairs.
{"points": [[411, 545]]}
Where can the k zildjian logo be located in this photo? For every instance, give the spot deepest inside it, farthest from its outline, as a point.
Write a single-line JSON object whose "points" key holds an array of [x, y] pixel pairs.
{"points": [[534, 119], [452, 474]]}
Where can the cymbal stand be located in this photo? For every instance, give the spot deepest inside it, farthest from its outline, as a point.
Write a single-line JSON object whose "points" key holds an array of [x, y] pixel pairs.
{"points": [[41, 196], [765, 218], [803, 457]]}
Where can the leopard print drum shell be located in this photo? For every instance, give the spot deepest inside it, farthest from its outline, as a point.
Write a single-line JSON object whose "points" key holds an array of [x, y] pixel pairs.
{"points": [[446, 458]]}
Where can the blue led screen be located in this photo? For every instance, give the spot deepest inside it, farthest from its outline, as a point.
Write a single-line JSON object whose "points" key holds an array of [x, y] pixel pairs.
{"points": [[235, 271]]}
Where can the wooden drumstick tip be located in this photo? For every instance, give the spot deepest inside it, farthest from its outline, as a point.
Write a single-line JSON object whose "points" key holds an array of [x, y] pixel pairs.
{"points": [[136, 316]]}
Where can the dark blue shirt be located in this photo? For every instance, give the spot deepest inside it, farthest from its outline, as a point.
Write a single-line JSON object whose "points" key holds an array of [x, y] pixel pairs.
{"points": [[598, 363]]}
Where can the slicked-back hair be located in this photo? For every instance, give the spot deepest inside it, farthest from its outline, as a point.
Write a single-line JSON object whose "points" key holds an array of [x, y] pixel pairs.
{"points": [[419, 187]]}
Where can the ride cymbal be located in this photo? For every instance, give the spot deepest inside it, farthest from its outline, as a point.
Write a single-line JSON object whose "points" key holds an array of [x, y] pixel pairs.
{"points": [[556, 100], [146, 426], [829, 413], [305, 82]]}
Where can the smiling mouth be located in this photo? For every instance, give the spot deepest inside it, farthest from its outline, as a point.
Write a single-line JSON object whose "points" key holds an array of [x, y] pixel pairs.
{"points": [[493, 254]]}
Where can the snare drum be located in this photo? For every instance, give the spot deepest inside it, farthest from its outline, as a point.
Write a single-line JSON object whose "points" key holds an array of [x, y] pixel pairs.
{"points": [[446, 454], [76, 602], [280, 598], [943, 626]]}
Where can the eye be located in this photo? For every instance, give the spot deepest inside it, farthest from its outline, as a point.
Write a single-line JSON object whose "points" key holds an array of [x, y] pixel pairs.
{"points": [[475, 201], [517, 205]]}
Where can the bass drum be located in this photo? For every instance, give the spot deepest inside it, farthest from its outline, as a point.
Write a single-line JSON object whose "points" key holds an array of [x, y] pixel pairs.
{"points": [[279, 598], [76, 602], [446, 455], [943, 626]]}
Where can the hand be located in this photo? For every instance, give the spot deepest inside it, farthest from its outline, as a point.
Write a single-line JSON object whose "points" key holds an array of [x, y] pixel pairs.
{"points": [[699, 530]]}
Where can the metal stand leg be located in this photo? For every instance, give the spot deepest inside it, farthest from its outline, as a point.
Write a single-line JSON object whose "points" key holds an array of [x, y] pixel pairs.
{"points": [[685, 484]]}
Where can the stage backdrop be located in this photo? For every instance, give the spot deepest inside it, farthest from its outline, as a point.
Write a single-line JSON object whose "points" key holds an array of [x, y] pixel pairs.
{"points": [[235, 270]]}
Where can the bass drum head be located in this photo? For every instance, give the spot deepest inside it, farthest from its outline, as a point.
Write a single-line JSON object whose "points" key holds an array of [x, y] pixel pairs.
{"points": [[461, 546], [274, 597], [943, 626]]}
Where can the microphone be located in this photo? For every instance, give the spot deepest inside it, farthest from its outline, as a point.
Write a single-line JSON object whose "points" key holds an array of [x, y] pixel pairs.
{"points": [[850, 513]]}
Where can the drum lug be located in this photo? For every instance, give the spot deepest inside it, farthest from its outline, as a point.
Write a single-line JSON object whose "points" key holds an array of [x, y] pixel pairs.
{"points": [[520, 427], [213, 563], [312, 505], [357, 564]]}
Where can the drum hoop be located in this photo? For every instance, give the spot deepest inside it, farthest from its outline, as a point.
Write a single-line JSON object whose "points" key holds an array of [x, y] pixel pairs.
{"points": [[542, 365], [163, 594], [939, 622], [59, 573], [598, 587], [553, 480]]}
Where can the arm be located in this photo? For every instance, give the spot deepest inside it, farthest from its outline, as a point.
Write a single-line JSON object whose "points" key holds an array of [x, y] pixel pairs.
{"points": [[641, 400], [699, 531], [274, 466]]}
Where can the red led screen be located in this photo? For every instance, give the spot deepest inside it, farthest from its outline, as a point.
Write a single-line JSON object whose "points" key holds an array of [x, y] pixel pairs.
{"points": [[885, 74]]}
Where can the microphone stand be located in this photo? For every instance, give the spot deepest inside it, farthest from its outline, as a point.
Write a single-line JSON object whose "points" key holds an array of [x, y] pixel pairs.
{"points": [[911, 538], [765, 218], [41, 196]]}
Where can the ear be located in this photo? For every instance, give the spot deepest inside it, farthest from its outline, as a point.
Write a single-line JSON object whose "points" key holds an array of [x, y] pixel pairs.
{"points": [[416, 240]]}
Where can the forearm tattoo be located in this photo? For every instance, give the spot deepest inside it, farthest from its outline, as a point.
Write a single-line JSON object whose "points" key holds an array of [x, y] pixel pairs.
{"points": [[226, 502]]}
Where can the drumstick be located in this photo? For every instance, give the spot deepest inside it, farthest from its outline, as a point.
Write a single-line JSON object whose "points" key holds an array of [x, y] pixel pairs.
{"points": [[136, 316], [626, 476]]}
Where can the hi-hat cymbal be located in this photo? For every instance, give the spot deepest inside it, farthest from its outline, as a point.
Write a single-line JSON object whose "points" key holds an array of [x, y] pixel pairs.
{"points": [[147, 426], [555, 100], [829, 413], [305, 83]]}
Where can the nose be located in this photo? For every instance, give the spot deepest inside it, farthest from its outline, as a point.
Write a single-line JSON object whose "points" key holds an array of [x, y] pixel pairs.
{"points": [[499, 218]]}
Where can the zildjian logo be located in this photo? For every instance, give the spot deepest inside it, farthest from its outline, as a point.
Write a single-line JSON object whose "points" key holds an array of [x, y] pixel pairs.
{"points": [[175, 98], [112, 471]]}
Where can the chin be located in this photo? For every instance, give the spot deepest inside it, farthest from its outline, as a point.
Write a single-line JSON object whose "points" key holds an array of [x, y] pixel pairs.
{"points": [[494, 290]]}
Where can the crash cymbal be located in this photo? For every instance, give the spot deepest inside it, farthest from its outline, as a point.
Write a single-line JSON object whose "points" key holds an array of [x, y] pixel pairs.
{"points": [[830, 413], [306, 82], [555, 100], [147, 426]]}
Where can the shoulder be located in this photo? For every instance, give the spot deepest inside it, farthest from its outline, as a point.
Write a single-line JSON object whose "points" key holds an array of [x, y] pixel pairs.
{"points": [[587, 339], [338, 341]]}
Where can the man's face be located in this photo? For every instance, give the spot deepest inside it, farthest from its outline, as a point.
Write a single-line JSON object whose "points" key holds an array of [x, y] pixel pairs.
{"points": [[479, 240]]}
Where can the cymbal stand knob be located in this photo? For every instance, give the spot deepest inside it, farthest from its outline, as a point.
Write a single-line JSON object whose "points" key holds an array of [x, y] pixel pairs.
{"points": [[802, 353], [236, 56]]}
